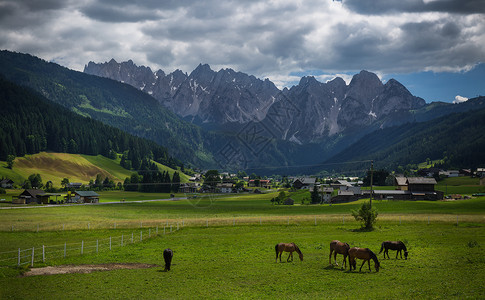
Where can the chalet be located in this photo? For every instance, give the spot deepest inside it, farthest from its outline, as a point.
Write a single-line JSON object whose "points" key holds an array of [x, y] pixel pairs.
{"points": [[188, 188], [264, 183], [31, 196], [6, 183], [327, 194], [413, 188], [74, 185], [288, 201], [225, 187], [307, 183], [450, 173], [85, 197], [401, 183], [344, 196]]}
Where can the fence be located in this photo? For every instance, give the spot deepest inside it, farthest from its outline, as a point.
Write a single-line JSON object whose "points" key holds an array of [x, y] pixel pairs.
{"points": [[149, 228], [33, 255]]}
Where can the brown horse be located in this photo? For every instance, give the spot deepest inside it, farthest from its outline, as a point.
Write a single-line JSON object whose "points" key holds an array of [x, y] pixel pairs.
{"points": [[287, 247], [362, 253], [340, 248], [398, 245]]}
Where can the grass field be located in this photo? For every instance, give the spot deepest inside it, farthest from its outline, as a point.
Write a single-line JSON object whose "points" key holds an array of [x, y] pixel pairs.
{"points": [[233, 257]]}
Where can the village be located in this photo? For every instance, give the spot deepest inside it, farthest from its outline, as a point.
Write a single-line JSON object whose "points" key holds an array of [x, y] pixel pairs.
{"points": [[329, 190]]}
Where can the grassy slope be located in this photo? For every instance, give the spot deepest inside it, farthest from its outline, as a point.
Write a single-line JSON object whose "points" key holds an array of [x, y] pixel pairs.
{"points": [[75, 167]]}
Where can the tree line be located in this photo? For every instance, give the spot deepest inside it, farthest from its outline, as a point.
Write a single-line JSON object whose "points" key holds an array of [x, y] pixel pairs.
{"points": [[32, 124]]}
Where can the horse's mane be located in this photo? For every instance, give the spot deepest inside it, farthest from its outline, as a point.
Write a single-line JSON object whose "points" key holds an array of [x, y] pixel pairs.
{"points": [[403, 246], [296, 248], [372, 255]]}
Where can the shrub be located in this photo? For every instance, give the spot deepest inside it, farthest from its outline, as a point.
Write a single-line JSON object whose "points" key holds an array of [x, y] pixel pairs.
{"points": [[366, 215]]}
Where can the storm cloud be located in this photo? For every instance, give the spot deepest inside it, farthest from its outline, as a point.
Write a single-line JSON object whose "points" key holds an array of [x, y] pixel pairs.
{"points": [[273, 39]]}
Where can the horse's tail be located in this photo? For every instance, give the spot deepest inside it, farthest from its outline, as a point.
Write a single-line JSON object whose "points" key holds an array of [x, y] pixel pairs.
{"points": [[382, 247], [276, 249]]}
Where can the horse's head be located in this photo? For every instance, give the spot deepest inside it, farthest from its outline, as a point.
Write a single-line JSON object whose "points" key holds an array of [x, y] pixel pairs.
{"points": [[377, 266], [405, 255], [301, 255]]}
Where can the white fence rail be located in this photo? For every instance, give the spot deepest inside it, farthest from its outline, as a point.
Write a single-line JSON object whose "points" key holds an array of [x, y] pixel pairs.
{"points": [[36, 255]]}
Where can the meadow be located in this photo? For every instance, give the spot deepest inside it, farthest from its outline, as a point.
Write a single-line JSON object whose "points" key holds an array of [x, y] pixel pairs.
{"points": [[225, 249]]}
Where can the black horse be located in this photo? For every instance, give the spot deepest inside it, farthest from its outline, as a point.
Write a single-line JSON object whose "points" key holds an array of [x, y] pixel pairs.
{"points": [[398, 245], [167, 256]]}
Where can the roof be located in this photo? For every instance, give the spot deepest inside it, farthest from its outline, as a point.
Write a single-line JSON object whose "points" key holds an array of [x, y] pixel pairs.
{"points": [[6, 180], [33, 192], [421, 180], [86, 193], [307, 180], [401, 180]]}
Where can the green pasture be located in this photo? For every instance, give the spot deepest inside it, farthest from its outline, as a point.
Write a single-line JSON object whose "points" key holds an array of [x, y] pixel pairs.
{"points": [[227, 262]]}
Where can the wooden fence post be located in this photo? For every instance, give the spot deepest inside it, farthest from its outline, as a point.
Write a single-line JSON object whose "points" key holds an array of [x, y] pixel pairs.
{"points": [[32, 263], [43, 253], [82, 247], [18, 263], [65, 249]]}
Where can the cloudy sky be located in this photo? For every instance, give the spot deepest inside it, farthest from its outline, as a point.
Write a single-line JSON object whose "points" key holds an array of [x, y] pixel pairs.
{"points": [[434, 47]]}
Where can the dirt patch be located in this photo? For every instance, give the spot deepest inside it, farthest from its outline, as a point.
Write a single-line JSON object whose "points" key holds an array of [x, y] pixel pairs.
{"points": [[68, 269]]}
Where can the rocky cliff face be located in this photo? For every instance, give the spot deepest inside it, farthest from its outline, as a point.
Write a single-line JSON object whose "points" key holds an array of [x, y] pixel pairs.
{"points": [[307, 112]]}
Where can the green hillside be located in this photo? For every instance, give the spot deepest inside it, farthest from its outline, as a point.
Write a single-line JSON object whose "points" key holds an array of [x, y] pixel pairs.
{"points": [[75, 167]]}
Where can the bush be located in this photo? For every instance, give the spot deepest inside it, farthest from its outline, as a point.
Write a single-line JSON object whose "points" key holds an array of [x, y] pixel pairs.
{"points": [[366, 215], [2, 190]]}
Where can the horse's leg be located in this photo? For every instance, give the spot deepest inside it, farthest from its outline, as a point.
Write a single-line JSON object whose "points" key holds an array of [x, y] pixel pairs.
{"points": [[291, 254], [397, 252], [360, 270], [344, 263], [330, 257], [281, 252], [335, 257], [386, 252], [368, 262]]}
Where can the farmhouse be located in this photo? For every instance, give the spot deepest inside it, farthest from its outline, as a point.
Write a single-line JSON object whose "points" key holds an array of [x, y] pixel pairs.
{"points": [[327, 194], [6, 183], [31, 196], [412, 188], [188, 188], [225, 187], [85, 197], [304, 183]]}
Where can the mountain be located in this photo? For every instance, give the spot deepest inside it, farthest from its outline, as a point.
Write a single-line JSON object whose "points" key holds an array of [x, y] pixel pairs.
{"points": [[204, 96], [457, 138], [308, 112]]}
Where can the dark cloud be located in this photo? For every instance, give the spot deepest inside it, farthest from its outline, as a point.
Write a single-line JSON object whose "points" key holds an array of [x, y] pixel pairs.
{"points": [[377, 7]]}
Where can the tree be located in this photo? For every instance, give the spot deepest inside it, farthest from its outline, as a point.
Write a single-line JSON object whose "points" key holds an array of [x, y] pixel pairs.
{"points": [[35, 181], [65, 182], [315, 196], [10, 161], [212, 177], [366, 214]]}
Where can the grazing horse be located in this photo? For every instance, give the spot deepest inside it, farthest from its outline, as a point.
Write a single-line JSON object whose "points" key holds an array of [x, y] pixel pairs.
{"points": [[399, 246], [287, 247], [362, 253], [167, 256], [340, 248]]}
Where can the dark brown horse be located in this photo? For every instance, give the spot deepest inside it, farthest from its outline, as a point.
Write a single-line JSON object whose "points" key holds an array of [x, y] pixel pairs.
{"points": [[167, 256], [398, 245], [287, 247], [340, 248], [365, 254]]}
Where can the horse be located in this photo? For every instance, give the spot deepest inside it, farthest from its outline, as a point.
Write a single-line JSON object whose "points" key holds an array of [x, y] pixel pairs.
{"points": [[287, 247], [362, 253], [340, 248], [398, 245], [167, 256]]}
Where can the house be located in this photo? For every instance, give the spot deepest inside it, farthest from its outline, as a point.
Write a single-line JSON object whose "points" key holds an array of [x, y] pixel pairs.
{"points": [[264, 183], [344, 196], [188, 188], [85, 197], [401, 183], [6, 183], [305, 183], [450, 173], [31, 196], [421, 184], [327, 194], [225, 187], [74, 185], [288, 201]]}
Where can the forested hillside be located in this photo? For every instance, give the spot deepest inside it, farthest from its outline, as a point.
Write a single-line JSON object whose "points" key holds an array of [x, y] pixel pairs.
{"points": [[457, 139], [113, 103], [31, 124]]}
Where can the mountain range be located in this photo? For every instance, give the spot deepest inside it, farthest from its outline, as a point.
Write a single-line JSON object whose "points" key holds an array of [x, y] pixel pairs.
{"points": [[230, 120]]}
